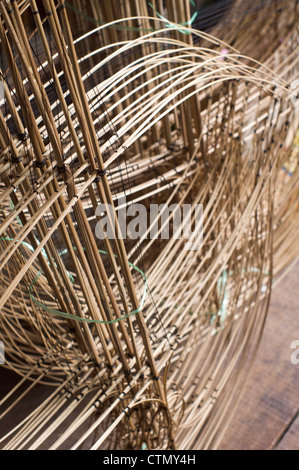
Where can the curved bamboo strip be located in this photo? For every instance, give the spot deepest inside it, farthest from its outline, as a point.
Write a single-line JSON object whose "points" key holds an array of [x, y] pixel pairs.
{"points": [[154, 110]]}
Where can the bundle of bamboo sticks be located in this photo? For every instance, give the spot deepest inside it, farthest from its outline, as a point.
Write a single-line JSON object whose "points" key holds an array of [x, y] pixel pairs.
{"points": [[139, 344]]}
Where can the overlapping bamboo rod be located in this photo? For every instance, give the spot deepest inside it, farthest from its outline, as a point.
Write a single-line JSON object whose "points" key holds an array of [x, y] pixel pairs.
{"points": [[150, 108]]}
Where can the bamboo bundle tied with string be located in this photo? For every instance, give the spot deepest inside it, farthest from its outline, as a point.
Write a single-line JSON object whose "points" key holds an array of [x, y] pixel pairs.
{"points": [[141, 344]]}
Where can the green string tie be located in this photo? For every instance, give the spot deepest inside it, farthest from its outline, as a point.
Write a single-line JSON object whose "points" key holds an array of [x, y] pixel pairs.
{"points": [[68, 315]]}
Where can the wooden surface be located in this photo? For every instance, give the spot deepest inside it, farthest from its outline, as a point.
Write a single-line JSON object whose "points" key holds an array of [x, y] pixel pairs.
{"points": [[267, 416]]}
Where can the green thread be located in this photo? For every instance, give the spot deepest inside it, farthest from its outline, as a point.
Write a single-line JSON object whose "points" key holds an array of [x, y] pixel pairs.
{"points": [[171, 25], [101, 23], [74, 317], [89, 320], [222, 291], [221, 286], [128, 28]]}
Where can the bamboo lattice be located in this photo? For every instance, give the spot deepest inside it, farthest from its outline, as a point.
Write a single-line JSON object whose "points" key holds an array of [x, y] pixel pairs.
{"points": [[141, 344]]}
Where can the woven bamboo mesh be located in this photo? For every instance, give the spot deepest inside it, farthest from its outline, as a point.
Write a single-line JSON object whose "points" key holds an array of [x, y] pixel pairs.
{"points": [[142, 344]]}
